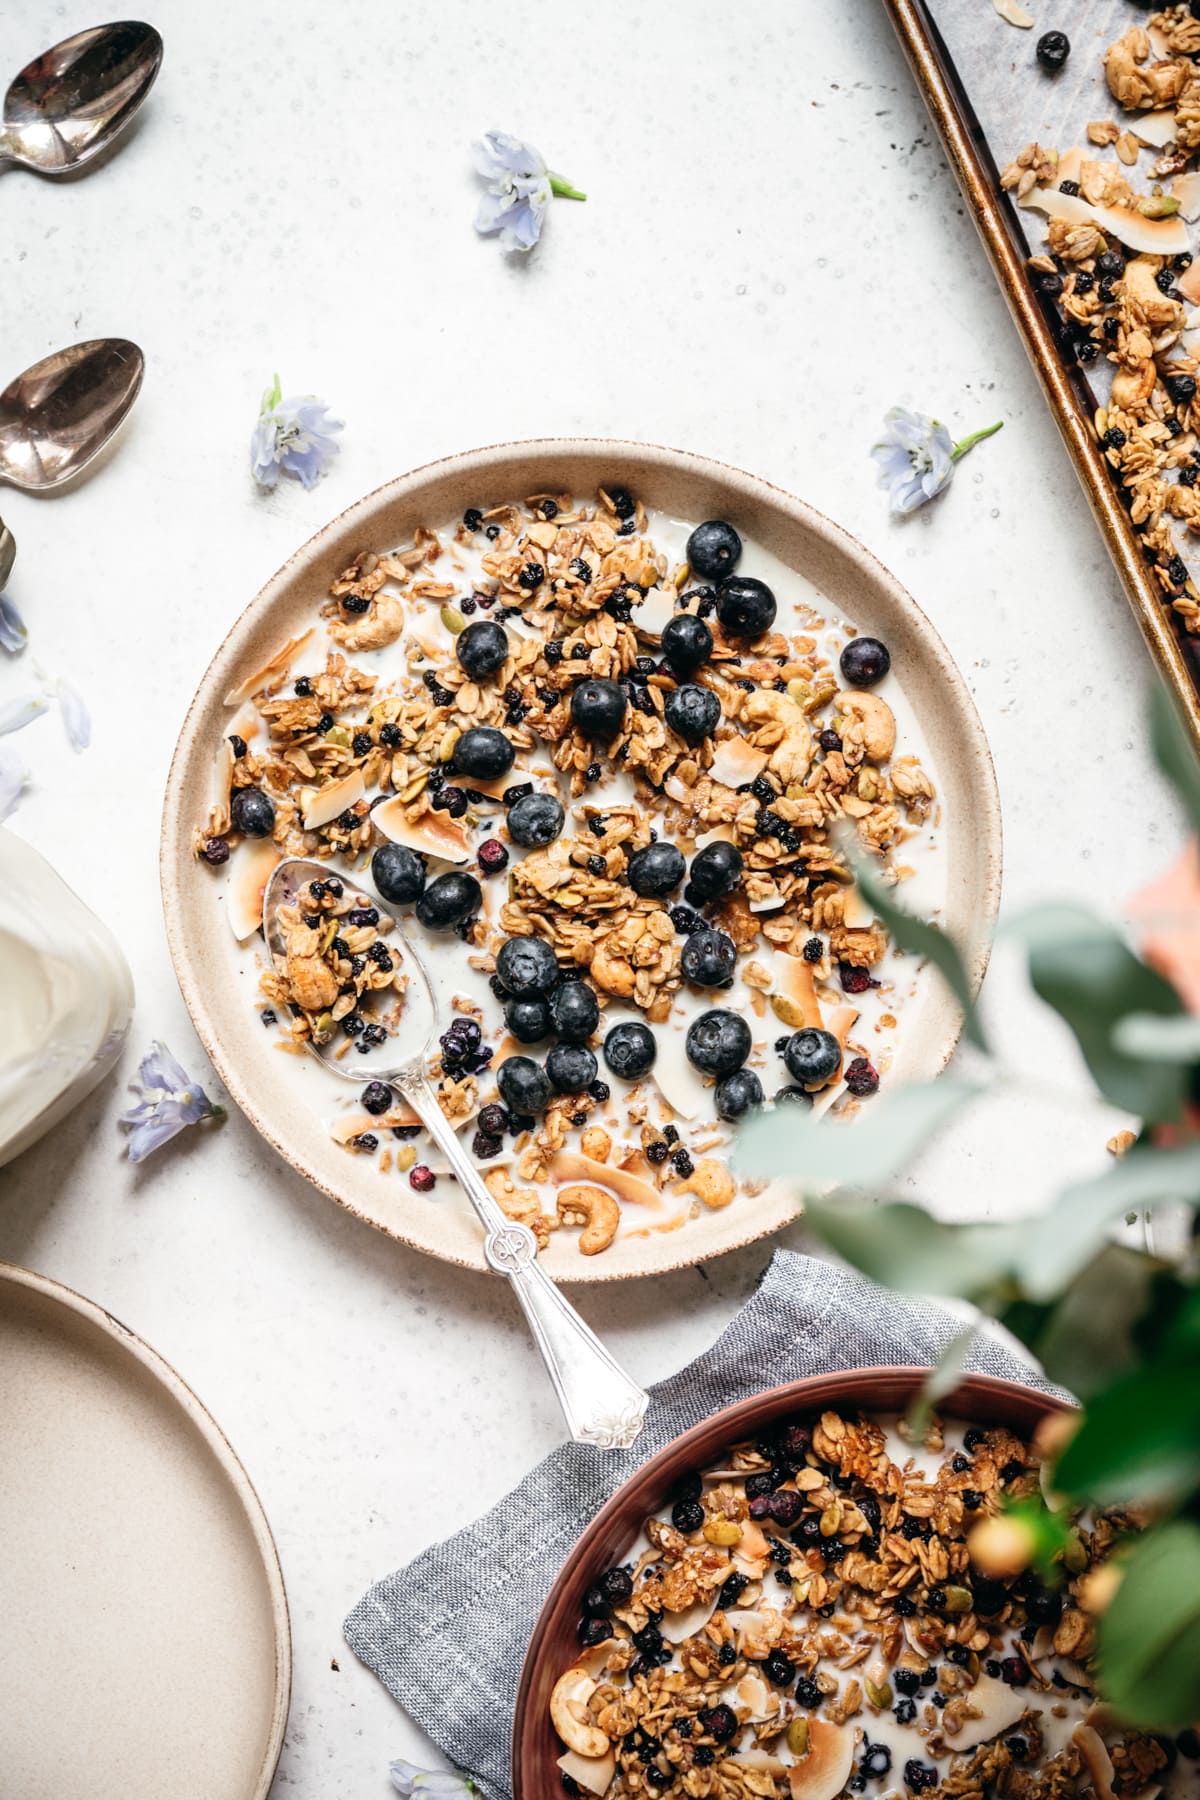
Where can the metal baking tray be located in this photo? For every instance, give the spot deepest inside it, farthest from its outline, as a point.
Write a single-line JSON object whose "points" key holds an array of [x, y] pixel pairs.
{"points": [[978, 77]]}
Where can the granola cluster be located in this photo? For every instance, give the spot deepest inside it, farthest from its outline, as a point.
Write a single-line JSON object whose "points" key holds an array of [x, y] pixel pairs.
{"points": [[806, 1622], [375, 733]]}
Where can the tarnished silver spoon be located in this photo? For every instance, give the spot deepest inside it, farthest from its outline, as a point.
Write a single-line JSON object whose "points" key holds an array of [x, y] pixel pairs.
{"points": [[68, 104], [601, 1403], [61, 412]]}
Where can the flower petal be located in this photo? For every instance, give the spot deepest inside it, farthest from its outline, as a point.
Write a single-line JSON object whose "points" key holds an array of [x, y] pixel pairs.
{"points": [[14, 634], [75, 715], [16, 714], [159, 1069], [14, 779]]}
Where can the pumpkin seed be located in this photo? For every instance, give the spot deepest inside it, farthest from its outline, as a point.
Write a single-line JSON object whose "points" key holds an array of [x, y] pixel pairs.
{"points": [[958, 1600], [878, 1693], [787, 1010], [797, 1737], [723, 1532], [453, 620]]}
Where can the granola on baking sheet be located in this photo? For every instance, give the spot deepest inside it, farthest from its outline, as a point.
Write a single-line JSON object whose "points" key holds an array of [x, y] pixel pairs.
{"points": [[803, 1620], [611, 789]]}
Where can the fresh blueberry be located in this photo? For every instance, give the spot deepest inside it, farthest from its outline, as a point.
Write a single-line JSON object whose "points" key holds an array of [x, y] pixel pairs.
{"points": [[398, 873], [686, 642], [745, 606], [630, 1050], [738, 1093], [484, 753], [616, 1584], [812, 1056], [778, 1668], [376, 1096], [597, 709], [449, 900], [708, 959], [716, 870], [864, 662], [536, 820], [692, 712], [481, 649], [656, 870], [527, 965], [252, 813], [575, 1010], [713, 550], [687, 1515], [1053, 49], [528, 1017], [524, 1088], [718, 1042], [572, 1068]]}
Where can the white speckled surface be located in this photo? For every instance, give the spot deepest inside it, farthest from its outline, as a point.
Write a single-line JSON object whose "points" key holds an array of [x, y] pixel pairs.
{"points": [[773, 254]]}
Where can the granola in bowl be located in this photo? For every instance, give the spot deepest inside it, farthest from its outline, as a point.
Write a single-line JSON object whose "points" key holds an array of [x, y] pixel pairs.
{"points": [[803, 1620], [604, 776]]}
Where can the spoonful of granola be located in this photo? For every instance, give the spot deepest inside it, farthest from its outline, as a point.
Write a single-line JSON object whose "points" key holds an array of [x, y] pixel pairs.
{"points": [[340, 958]]}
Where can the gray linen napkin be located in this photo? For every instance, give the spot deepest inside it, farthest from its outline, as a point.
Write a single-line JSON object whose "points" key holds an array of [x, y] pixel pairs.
{"points": [[447, 1635]]}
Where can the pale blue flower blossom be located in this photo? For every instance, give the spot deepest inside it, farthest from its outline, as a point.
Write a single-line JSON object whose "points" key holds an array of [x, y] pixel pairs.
{"points": [[15, 714], [76, 719], [292, 437], [430, 1784], [168, 1102], [519, 188], [14, 779], [916, 457], [13, 632]]}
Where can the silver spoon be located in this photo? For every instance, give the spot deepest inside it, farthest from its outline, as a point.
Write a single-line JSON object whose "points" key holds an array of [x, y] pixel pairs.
{"points": [[61, 412], [69, 104], [600, 1402]]}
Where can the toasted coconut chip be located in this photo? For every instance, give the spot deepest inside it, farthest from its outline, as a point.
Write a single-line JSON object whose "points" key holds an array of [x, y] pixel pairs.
{"points": [[720, 834], [248, 878], [678, 1627], [998, 1707], [1158, 129], [762, 1759], [751, 1551], [1152, 237], [353, 1124], [321, 806], [1090, 1744], [222, 782], [432, 833], [856, 914], [823, 1772], [679, 1084], [1189, 283], [1186, 189], [795, 977], [735, 761], [247, 724], [572, 1165], [753, 1692], [767, 902], [1070, 164], [593, 1773], [653, 613], [269, 671], [1056, 205]]}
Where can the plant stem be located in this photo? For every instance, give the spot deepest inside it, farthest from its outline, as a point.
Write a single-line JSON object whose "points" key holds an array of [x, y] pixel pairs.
{"points": [[969, 443], [561, 186]]}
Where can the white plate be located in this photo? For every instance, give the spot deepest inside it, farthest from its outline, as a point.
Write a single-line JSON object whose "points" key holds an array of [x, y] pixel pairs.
{"points": [[144, 1644]]}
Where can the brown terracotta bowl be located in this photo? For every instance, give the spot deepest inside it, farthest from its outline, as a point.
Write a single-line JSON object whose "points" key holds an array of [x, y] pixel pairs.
{"points": [[553, 1646]]}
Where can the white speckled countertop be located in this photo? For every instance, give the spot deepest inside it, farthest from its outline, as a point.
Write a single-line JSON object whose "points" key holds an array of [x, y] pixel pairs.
{"points": [[773, 253]]}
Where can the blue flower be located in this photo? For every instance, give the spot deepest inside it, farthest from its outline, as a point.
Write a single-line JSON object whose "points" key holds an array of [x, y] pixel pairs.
{"points": [[433, 1784], [293, 437], [13, 633], [14, 779], [916, 457], [168, 1102], [519, 187]]}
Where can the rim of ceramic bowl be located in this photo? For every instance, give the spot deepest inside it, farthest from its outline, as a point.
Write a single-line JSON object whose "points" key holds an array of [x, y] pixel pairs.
{"points": [[576, 461], [983, 1398]]}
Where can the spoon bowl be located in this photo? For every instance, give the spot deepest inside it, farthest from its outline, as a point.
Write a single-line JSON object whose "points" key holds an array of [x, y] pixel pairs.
{"points": [[58, 415], [68, 104]]}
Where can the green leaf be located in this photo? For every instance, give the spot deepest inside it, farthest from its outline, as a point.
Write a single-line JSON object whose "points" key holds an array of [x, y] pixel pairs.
{"points": [[1149, 1638], [921, 939], [1084, 969], [1174, 751], [1061, 1241], [1140, 1437], [815, 1153], [1152, 1038], [1090, 1334], [902, 1247], [941, 1380]]}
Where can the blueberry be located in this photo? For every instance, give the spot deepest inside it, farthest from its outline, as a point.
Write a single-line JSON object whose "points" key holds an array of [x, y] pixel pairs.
{"points": [[708, 959], [593, 1631], [481, 649], [808, 1693], [252, 813], [991, 1597], [597, 709], [1044, 1607], [905, 1711], [528, 1018], [687, 1515], [483, 752], [745, 606], [630, 1050], [616, 1584], [215, 851], [1053, 49], [376, 1096], [713, 550], [718, 1042], [622, 501], [973, 1438], [657, 869], [449, 900], [536, 820], [575, 1010], [1014, 1671], [719, 1723], [571, 1067], [906, 1681], [862, 1078], [918, 1775], [786, 1504], [1182, 389], [738, 1093], [686, 642], [812, 1056], [693, 713], [716, 870], [527, 965], [864, 662], [524, 1088], [494, 1120], [779, 1669], [398, 873]]}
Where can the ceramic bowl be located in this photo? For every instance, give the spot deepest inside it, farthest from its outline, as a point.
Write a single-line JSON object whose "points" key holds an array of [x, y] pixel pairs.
{"points": [[554, 1646], [856, 587]]}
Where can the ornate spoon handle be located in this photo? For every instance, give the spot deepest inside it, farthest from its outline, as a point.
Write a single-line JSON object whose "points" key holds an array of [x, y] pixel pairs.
{"points": [[601, 1403]]}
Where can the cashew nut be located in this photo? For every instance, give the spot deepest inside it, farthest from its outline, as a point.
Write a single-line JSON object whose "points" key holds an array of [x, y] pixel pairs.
{"points": [[710, 1181], [599, 1215], [596, 1143], [1141, 287], [612, 973], [1132, 387], [371, 630], [313, 983], [873, 723], [569, 1714]]}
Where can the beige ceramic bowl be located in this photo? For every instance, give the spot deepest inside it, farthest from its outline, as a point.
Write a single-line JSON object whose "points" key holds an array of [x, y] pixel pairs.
{"points": [[689, 487]]}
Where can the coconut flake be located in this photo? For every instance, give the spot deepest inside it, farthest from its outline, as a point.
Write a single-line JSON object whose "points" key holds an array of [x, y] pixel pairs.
{"points": [[857, 915], [248, 878], [736, 762], [1013, 14], [1186, 189], [998, 1707], [767, 902], [1152, 237], [1090, 1745], [677, 1627], [678, 1083], [321, 806], [572, 1165], [653, 614], [593, 1773], [1189, 283], [432, 833], [1070, 164], [278, 664], [823, 1772], [1158, 129]]}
